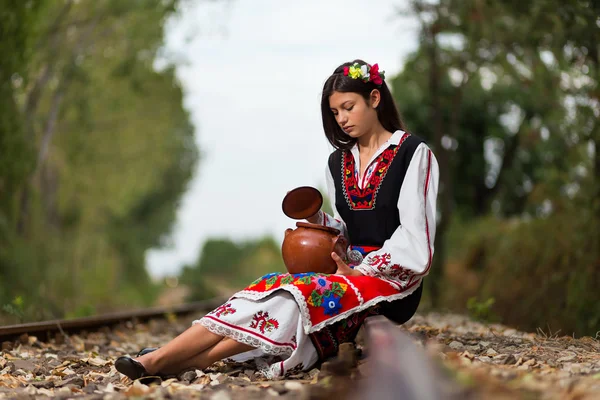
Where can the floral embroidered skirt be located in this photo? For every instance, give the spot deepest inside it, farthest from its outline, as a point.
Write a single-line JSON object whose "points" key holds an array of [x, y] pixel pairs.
{"points": [[295, 320]]}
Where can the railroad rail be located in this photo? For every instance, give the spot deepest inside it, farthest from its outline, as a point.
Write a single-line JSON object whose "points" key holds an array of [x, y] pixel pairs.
{"points": [[399, 365], [47, 328]]}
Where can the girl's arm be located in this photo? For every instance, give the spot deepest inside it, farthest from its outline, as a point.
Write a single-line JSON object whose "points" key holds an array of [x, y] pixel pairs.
{"points": [[322, 218], [405, 258]]}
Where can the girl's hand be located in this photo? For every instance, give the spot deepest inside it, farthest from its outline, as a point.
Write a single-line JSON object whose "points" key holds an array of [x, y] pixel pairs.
{"points": [[343, 268], [315, 219]]}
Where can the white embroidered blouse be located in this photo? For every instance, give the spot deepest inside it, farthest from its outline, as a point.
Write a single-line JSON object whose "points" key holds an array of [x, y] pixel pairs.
{"points": [[406, 256]]}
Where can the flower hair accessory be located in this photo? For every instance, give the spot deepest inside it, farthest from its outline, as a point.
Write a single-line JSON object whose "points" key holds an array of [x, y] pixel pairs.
{"points": [[367, 73]]}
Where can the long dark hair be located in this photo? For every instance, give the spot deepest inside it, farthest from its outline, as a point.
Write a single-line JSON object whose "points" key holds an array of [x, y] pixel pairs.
{"points": [[387, 112]]}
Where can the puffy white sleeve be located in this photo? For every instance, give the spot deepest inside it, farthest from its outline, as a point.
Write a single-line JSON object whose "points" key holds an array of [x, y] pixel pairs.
{"points": [[406, 257], [334, 221]]}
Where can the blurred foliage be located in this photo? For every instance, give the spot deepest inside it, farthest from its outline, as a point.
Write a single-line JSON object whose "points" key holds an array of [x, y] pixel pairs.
{"points": [[481, 310], [540, 272], [96, 150], [506, 93], [225, 266]]}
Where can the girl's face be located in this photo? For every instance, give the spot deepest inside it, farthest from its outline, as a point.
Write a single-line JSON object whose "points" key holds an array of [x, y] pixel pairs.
{"points": [[355, 115]]}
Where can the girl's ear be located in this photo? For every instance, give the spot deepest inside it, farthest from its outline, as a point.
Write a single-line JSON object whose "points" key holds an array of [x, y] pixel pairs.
{"points": [[375, 98]]}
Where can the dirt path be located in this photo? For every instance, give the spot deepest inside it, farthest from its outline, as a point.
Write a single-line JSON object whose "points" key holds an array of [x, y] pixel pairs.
{"points": [[483, 361]]}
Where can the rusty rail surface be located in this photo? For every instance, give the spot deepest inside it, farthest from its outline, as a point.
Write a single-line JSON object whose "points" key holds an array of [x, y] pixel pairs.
{"points": [[400, 369], [46, 328]]}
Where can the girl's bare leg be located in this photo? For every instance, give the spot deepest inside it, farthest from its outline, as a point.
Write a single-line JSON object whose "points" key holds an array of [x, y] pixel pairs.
{"points": [[190, 343], [223, 349]]}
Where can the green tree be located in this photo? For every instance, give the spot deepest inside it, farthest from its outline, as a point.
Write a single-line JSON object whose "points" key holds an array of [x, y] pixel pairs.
{"points": [[224, 266], [17, 22], [506, 94], [102, 151]]}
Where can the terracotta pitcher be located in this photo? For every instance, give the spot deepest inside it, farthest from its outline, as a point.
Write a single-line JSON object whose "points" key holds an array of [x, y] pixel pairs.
{"points": [[308, 248]]}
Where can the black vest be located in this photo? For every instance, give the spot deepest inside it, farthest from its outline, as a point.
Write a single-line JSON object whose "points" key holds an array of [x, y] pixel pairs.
{"points": [[371, 214]]}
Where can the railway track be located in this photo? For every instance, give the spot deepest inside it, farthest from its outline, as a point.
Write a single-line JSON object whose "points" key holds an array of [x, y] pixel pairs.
{"points": [[84, 332], [45, 329], [479, 361]]}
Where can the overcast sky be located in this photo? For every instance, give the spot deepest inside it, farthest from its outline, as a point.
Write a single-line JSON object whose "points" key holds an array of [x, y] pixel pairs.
{"points": [[252, 77]]}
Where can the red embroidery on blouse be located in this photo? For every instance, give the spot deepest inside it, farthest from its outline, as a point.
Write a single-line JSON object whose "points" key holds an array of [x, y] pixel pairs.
{"points": [[381, 262], [400, 273], [364, 199]]}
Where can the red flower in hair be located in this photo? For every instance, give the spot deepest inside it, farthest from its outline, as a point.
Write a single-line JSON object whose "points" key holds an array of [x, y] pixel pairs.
{"points": [[374, 73], [346, 70]]}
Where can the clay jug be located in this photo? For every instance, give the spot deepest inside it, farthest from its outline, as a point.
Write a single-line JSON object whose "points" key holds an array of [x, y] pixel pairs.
{"points": [[308, 248]]}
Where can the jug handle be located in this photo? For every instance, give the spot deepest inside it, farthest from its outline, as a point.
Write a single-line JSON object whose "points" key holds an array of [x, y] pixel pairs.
{"points": [[340, 245]]}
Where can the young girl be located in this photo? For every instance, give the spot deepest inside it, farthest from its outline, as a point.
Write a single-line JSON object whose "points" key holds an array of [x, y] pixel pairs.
{"points": [[383, 183]]}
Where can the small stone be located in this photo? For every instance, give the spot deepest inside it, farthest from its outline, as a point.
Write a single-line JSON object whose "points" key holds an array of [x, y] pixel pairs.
{"points": [[250, 373], [455, 345], [279, 388], [43, 384], [510, 332], [491, 353], [347, 354], [519, 361], [188, 376], [510, 359], [484, 344], [30, 390], [567, 356], [239, 381], [221, 395], [75, 381], [217, 379], [572, 368], [24, 338], [90, 388], [63, 391], [293, 386], [272, 392], [59, 339], [485, 359], [20, 372], [203, 380], [335, 367], [474, 348], [25, 365]]}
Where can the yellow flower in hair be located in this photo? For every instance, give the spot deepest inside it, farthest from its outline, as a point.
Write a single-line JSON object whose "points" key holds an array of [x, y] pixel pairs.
{"points": [[355, 72]]}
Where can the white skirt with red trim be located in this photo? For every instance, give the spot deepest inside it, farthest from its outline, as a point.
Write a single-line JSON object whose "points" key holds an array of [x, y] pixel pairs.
{"points": [[272, 325]]}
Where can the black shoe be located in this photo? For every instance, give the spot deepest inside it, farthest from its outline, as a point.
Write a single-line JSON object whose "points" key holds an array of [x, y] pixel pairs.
{"points": [[146, 350], [130, 368]]}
